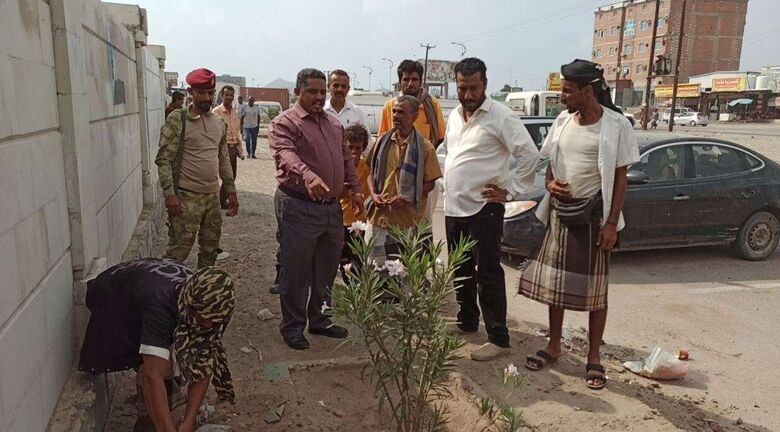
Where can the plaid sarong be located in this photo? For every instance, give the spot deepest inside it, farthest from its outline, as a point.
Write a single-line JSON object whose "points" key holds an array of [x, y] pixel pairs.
{"points": [[570, 271]]}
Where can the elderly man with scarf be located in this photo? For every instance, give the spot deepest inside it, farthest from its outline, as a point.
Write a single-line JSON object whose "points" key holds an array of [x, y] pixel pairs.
{"points": [[430, 118], [404, 170], [156, 316], [590, 147]]}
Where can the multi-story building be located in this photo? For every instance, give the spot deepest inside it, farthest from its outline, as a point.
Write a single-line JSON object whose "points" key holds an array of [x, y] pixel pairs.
{"points": [[622, 36], [235, 80]]}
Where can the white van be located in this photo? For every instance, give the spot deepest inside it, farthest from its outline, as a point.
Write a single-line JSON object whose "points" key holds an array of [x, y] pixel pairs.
{"points": [[677, 111], [535, 103]]}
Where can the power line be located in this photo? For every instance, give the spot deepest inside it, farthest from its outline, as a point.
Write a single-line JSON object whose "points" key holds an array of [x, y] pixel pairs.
{"points": [[520, 25]]}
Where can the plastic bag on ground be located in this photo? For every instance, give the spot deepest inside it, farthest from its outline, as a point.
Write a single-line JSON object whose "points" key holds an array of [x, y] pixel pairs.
{"points": [[660, 365]]}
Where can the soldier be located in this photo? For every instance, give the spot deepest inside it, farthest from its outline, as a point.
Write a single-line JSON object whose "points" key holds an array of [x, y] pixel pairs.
{"points": [[192, 159]]}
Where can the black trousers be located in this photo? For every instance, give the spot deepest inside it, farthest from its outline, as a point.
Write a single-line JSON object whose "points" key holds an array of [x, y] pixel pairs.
{"points": [[311, 238], [482, 272]]}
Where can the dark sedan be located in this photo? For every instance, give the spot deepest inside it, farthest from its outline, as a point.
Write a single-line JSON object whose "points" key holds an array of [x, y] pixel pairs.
{"points": [[684, 192]]}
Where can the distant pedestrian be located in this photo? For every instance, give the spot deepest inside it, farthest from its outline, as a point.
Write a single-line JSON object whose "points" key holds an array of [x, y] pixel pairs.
{"points": [[239, 106], [313, 165], [177, 101], [654, 119], [158, 317], [482, 135], [356, 137], [232, 135], [590, 147], [250, 124], [404, 169], [192, 159]]}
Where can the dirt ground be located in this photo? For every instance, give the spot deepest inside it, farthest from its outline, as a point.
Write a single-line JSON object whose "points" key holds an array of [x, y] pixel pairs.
{"points": [[321, 389]]}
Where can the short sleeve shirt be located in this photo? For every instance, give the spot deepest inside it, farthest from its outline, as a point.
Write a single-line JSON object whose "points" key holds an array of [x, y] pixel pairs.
{"points": [[406, 216], [250, 114], [153, 287]]}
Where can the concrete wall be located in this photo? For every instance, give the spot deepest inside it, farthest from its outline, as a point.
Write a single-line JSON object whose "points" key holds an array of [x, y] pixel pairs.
{"points": [[36, 282], [74, 158]]}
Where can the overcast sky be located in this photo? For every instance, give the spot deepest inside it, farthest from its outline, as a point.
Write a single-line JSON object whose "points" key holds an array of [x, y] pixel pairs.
{"points": [[521, 41]]}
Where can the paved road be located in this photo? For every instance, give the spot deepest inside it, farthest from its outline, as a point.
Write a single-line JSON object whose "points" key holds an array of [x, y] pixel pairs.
{"points": [[724, 310], [750, 129]]}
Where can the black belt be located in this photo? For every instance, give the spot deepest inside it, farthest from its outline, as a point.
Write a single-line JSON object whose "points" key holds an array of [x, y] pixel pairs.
{"points": [[306, 197]]}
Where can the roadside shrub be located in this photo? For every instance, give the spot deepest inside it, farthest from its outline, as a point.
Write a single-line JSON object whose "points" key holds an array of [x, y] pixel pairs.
{"points": [[397, 309]]}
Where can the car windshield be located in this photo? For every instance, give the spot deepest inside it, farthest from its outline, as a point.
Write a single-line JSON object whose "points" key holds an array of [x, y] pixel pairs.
{"points": [[552, 106]]}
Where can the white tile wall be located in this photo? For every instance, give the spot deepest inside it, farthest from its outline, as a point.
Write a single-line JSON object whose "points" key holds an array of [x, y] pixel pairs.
{"points": [[22, 347], [10, 285]]}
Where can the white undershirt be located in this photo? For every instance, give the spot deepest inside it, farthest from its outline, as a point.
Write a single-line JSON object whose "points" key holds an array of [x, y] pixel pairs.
{"points": [[578, 159]]}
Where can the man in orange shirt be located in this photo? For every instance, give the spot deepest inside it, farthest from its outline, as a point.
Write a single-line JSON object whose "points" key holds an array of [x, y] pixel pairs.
{"points": [[232, 120], [430, 119]]}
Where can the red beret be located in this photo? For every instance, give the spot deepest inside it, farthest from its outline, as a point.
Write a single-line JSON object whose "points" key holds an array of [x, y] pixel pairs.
{"points": [[202, 79]]}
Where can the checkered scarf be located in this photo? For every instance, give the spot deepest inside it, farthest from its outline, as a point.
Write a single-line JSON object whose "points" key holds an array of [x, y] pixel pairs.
{"points": [[200, 353]]}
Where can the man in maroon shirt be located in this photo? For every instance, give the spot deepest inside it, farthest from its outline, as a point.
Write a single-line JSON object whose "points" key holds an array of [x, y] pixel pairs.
{"points": [[313, 167]]}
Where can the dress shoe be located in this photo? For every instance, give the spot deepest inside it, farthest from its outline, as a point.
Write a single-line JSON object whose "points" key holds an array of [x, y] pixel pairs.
{"points": [[297, 342], [488, 352], [334, 331]]}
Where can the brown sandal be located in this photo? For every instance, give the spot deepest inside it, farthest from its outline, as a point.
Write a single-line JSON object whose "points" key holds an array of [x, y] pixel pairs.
{"points": [[539, 361], [595, 372]]}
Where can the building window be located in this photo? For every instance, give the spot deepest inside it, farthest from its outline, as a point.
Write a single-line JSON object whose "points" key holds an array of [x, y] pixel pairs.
{"points": [[630, 29], [659, 45], [628, 49], [613, 31], [612, 51], [599, 54], [661, 22], [644, 25], [642, 47], [626, 71], [601, 33], [640, 68]]}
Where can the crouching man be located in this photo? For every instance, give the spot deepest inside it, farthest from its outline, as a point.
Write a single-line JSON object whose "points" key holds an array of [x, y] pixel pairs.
{"points": [[157, 317]]}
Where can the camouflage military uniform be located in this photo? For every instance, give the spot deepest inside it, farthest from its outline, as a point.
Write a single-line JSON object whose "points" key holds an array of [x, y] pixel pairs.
{"points": [[201, 214]]}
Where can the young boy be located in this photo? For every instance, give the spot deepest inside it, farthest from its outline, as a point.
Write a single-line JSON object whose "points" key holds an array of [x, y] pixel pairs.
{"points": [[356, 137]]}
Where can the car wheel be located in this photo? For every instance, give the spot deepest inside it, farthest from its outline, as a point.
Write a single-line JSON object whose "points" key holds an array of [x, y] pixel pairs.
{"points": [[693, 123], [758, 237]]}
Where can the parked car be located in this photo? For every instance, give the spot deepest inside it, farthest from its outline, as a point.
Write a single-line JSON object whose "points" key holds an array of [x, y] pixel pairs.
{"points": [[691, 118], [677, 111], [684, 192]]}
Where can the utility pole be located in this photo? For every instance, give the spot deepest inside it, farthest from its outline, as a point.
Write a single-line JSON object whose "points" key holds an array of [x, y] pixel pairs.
{"points": [[646, 117], [618, 71], [370, 71], [462, 48], [389, 73], [427, 47], [677, 66]]}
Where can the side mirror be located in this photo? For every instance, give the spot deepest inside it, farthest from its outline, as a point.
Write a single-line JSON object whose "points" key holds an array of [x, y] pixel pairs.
{"points": [[637, 178]]}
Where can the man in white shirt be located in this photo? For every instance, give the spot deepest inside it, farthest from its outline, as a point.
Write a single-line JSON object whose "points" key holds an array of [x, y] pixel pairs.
{"points": [[481, 136], [590, 147], [338, 106]]}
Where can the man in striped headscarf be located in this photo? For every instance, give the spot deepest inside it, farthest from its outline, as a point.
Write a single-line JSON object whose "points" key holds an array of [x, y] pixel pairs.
{"points": [[156, 316]]}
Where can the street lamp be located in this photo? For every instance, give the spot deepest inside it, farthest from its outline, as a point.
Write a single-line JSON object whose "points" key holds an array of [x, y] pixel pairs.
{"points": [[370, 71], [389, 73], [353, 76], [462, 48]]}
